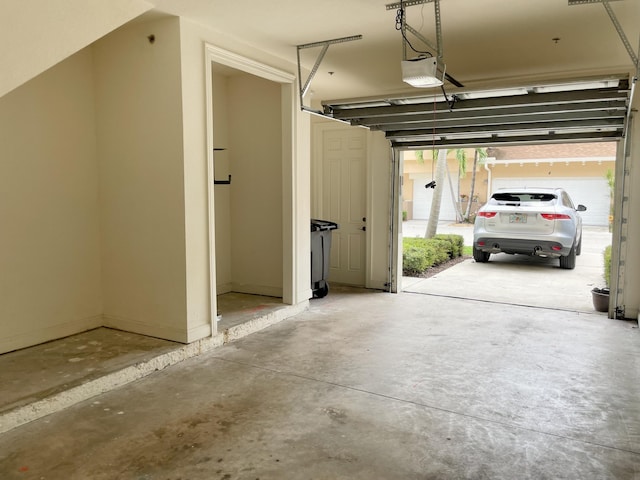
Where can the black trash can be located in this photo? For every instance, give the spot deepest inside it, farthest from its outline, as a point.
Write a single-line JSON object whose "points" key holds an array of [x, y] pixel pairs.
{"points": [[320, 253]]}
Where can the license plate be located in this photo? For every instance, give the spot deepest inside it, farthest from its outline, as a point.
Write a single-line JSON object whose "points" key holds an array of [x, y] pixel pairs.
{"points": [[517, 218]]}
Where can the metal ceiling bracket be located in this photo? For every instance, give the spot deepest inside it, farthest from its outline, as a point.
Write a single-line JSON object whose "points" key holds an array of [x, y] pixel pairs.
{"points": [[422, 38], [436, 6], [616, 24], [438, 47], [407, 3], [405, 26], [623, 37], [325, 46], [582, 2]]}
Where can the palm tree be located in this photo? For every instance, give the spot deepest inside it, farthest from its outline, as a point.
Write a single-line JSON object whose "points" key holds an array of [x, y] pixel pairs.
{"points": [[455, 198], [479, 156], [461, 157], [434, 215], [440, 156]]}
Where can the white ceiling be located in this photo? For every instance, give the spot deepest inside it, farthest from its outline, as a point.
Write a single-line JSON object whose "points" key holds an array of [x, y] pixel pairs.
{"points": [[484, 41]]}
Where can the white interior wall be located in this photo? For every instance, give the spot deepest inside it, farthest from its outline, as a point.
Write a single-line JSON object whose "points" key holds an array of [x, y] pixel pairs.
{"points": [[139, 124], [50, 284], [255, 155], [296, 200], [149, 190], [37, 34]]}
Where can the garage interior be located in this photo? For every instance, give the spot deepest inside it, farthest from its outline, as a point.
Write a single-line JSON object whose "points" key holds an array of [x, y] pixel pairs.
{"points": [[117, 235]]}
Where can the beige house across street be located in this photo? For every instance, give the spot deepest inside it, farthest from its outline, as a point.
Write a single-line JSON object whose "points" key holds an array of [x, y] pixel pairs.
{"points": [[581, 169]]}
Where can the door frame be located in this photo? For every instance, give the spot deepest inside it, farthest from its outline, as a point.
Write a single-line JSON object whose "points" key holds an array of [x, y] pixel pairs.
{"points": [[293, 175], [395, 221]]}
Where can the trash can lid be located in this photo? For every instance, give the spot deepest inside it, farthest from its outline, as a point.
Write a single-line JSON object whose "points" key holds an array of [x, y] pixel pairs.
{"points": [[322, 225]]}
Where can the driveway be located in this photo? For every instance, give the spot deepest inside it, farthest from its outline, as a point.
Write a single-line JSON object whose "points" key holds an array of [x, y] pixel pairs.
{"points": [[518, 279]]}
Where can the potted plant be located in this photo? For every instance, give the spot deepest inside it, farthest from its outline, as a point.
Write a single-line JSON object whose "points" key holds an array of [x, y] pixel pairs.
{"points": [[600, 296]]}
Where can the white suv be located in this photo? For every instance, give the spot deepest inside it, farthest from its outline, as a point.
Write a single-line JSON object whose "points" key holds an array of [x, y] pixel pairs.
{"points": [[529, 221]]}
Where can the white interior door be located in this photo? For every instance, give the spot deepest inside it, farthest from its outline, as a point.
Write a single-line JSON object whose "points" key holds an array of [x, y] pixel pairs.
{"points": [[344, 154]]}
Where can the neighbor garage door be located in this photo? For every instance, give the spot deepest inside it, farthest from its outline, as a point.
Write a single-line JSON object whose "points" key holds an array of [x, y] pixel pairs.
{"points": [[590, 192], [422, 198]]}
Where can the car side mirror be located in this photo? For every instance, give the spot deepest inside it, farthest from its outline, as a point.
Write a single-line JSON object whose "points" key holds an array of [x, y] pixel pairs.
{"points": [[581, 208]]}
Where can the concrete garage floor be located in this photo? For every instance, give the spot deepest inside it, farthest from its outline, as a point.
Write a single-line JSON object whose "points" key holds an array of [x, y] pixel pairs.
{"points": [[46, 378], [367, 385]]}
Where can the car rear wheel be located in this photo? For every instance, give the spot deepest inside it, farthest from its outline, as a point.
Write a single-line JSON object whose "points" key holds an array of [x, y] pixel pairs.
{"points": [[569, 262], [480, 256], [579, 247]]}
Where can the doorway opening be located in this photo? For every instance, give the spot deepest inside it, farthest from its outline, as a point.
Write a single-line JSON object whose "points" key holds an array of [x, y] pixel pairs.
{"points": [[248, 107]]}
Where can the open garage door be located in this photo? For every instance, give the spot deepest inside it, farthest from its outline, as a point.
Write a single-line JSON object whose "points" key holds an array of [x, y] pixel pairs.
{"points": [[588, 191], [588, 110], [580, 111]]}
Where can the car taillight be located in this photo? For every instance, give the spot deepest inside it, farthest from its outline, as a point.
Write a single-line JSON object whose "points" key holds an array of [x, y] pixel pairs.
{"points": [[555, 216], [487, 214]]}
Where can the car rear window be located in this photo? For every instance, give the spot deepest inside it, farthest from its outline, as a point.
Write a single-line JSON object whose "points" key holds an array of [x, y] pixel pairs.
{"points": [[515, 198]]}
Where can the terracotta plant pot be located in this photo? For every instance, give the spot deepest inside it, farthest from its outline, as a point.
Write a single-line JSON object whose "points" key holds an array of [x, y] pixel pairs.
{"points": [[600, 299]]}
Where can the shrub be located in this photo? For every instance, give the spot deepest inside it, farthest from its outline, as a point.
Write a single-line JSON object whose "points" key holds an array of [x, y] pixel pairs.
{"points": [[415, 260], [443, 249], [607, 266], [456, 244], [418, 254]]}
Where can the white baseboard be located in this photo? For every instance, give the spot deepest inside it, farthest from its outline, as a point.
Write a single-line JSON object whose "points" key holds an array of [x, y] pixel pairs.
{"points": [[199, 332], [46, 334], [150, 330], [224, 288], [265, 290]]}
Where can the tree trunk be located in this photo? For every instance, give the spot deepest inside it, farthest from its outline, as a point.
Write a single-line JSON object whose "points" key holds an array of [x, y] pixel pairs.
{"points": [[455, 197], [458, 199], [473, 185], [434, 215]]}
